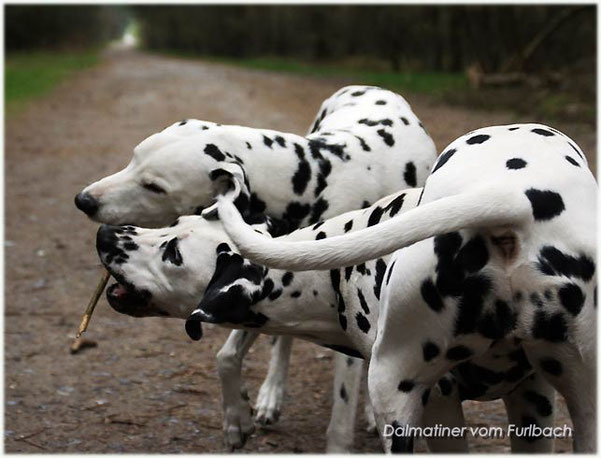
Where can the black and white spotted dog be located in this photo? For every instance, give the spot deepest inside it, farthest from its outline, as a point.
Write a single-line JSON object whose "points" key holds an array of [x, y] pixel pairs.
{"points": [[168, 270], [501, 250], [361, 134]]}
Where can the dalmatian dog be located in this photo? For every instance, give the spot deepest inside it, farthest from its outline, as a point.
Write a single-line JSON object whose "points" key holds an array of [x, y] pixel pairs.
{"points": [[501, 249], [166, 272], [358, 132]]}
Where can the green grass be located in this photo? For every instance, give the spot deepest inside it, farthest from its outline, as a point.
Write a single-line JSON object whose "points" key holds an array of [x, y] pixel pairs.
{"points": [[423, 82], [29, 75]]}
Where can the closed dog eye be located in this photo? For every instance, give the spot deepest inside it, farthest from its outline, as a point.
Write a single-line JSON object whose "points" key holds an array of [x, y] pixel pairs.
{"points": [[153, 187]]}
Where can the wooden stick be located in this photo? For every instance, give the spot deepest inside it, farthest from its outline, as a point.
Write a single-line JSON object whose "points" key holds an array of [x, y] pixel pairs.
{"points": [[92, 304]]}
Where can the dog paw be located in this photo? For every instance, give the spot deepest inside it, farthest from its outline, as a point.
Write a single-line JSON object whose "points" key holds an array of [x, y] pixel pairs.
{"points": [[269, 404], [238, 425]]}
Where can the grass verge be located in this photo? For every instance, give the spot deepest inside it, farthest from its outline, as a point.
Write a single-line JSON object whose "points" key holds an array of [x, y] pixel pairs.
{"points": [[29, 75]]}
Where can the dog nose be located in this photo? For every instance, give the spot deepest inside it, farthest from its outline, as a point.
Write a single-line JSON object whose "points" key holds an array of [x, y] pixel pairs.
{"points": [[106, 238], [86, 203]]}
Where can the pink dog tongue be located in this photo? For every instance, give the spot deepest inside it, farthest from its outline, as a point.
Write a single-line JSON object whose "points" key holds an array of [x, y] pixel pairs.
{"points": [[119, 291]]}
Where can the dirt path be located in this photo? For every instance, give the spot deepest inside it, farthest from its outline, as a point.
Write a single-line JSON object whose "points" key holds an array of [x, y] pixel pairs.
{"points": [[147, 387]]}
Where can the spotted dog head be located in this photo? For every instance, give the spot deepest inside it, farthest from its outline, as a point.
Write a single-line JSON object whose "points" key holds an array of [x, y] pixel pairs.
{"points": [[165, 272], [160, 272], [175, 172]]}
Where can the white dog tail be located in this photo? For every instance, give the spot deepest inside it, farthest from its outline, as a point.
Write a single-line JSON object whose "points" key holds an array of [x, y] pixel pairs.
{"points": [[475, 209]]}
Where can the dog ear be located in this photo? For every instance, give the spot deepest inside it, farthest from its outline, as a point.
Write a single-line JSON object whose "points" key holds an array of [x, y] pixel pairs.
{"points": [[229, 178]]}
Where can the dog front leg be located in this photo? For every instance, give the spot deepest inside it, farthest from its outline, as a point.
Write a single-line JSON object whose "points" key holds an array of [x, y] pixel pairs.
{"points": [[237, 412], [272, 391], [347, 380]]}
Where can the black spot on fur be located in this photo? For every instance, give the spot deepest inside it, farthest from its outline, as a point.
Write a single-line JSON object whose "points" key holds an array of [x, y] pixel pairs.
{"points": [[361, 268], [431, 296], [362, 322], [571, 298], [425, 396], [552, 261], [274, 295], [321, 235], [473, 256], [393, 207], [295, 294], [348, 272], [572, 161], [267, 289], [576, 149], [386, 136], [380, 270], [348, 226], [319, 146], [343, 393], [552, 328], [287, 278], [444, 157], [268, 141], [325, 167], [458, 353], [214, 152], [406, 386], [477, 139], [362, 301], [130, 246], [172, 253], [551, 366], [319, 207], [513, 128], [295, 213], [515, 163], [405, 120], [384, 122], [497, 324], [446, 387], [430, 350], [543, 132], [318, 225], [545, 204], [280, 141], [381, 102], [375, 216], [357, 93], [248, 145], [364, 145], [409, 174], [342, 320], [541, 403], [390, 272], [475, 289], [301, 177]]}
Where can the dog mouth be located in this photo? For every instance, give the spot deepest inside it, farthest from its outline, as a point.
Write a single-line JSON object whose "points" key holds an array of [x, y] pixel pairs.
{"points": [[125, 298]]}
